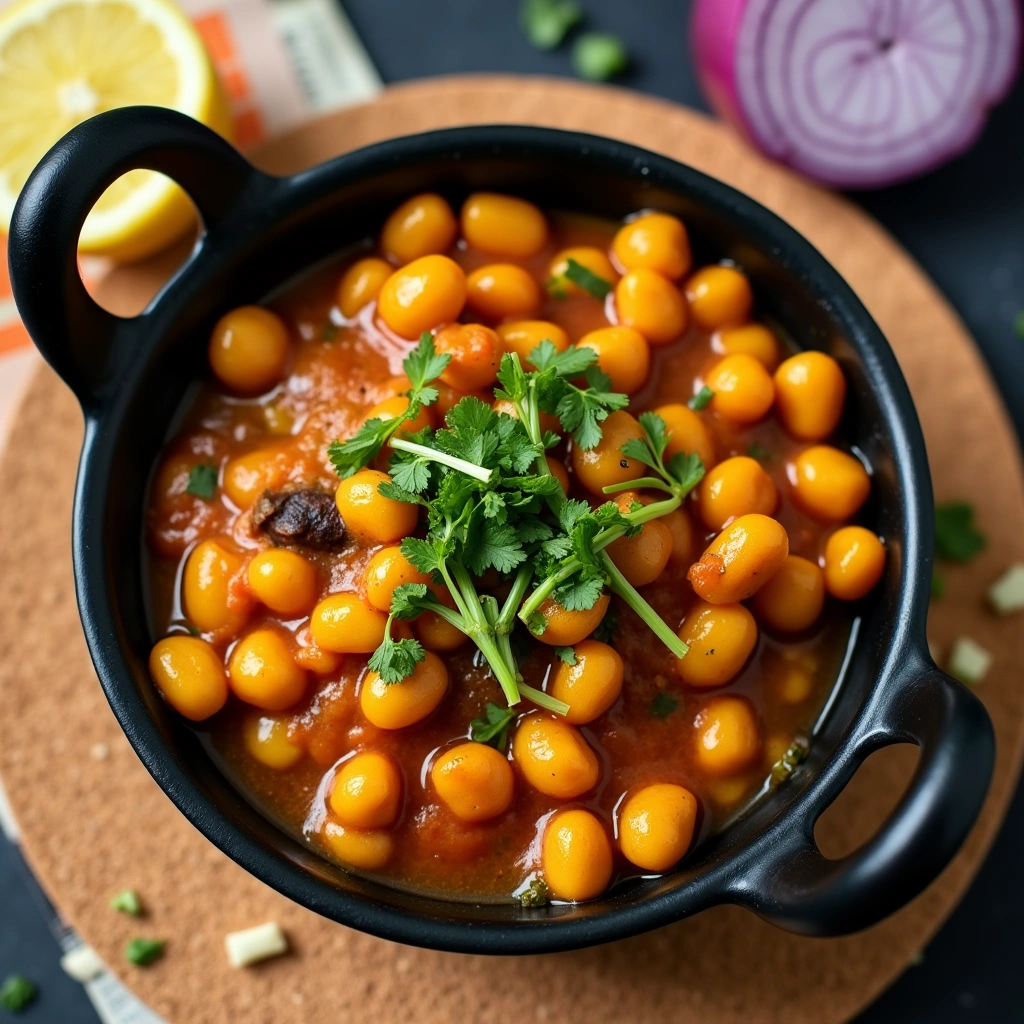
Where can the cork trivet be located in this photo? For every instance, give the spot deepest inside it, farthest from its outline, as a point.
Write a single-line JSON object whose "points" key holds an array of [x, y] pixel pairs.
{"points": [[92, 826]]}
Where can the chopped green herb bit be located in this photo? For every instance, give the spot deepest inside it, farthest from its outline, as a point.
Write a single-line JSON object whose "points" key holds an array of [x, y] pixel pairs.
{"points": [[956, 539], [127, 902], [330, 331], [535, 894], [202, 481], [701, 399], [1018, 324], [787, 764], [493, 728], [547, 22], [599, 56], [143, 952], [555, 287], [663, 705], [759, 452], [567, 654], [17, 992], [586, 279]]}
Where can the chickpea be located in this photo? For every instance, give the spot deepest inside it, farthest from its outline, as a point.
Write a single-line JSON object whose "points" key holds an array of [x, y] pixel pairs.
{"points": [[284, 581], [503, 226], [679, 525], [559, 472], [641, 559], [421, 226], [829, 484], [476, 353], [249, 349], [793, 598], [367, 792], [809, 393], [438, 634], [387, 570], [654, 241], [313, 658], [719, 296], [368, 851], [652, 304], [361, 284], [554, 757], [210, 597], [548, 422], [623, 354], [587, 256], [656, 826], [397, 406], [740, 560], [523, 336], [427, 292], [750, 339], [687, 433], [397, 705], [345, 624], [368, 515], [565, 628], [189, 674], [743, 390], [247, 476], [604, 464], [721, 638], [262, 671], [727, 736], [854, 562], [576, 856], [736, 488], [591, 685], [474, 781], [501, 290], [266, 740]]}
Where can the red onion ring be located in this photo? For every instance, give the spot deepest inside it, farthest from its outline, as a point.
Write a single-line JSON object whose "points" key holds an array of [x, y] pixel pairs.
{"points": [[857, 93]]}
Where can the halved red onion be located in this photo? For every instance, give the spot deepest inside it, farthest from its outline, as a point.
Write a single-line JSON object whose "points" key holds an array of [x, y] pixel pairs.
{"points": [[857, 93]]}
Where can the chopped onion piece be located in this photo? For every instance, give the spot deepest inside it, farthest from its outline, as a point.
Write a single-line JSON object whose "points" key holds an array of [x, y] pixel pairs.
{"points": [[969, 661], [857, 94], [1006, 595], [251, 945], [82, 963]]}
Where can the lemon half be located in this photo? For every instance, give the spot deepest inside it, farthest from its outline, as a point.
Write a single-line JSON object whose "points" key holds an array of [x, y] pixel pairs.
{"points": [[61, 62]]}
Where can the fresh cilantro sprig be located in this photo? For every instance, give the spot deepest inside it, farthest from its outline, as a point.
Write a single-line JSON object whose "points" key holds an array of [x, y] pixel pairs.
{"points": [[394, 660], [422, 366]]}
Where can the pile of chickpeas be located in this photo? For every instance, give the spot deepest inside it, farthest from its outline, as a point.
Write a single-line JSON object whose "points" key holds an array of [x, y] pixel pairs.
{"points": [[270, 628]]}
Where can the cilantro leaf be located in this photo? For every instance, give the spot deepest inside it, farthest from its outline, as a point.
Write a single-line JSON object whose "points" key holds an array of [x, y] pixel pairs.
{"points": [[599, 56], [422, 554], [493, 727], [701, 399], [471, 416], [142, 952], [567, 654], [663, 705], [583, 277], [496, 545], [395, 660], [956, 538], [411, 475], [362, 448], [571, 362], [581, 592], [423, 364], [512, 378], [581, 410], [686, 469], [408, 600], [202, 480]]}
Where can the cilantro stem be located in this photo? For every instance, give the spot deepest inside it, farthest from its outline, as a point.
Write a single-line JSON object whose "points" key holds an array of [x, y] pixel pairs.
{"points": [[621, 586], [506, 618], [451, 461], [542, 700], [652, 482]]}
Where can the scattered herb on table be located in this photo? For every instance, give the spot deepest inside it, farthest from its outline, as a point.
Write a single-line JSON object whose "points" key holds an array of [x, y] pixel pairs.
{"points": [[585, 278], [202, 480], [547, 22], [143, 952], [17, 992], [956, 538], [567, 654], [663, 705], [127, 902], [493, 729], [599, 56], [701, 399]]}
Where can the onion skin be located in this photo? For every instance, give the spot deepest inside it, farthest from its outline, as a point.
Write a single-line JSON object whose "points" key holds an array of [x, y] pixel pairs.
{"points": [[786, 73]]}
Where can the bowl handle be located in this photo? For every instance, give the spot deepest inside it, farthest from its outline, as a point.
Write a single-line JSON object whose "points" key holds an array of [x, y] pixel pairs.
{"points": [[76, 336], [796, 887]]}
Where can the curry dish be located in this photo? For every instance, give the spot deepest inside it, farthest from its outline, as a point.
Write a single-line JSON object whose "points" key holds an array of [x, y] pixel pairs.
{"points": [[511, 555]]}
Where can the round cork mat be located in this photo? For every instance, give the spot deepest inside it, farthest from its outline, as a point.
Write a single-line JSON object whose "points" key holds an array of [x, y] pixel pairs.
{"points": [[94, 826]]}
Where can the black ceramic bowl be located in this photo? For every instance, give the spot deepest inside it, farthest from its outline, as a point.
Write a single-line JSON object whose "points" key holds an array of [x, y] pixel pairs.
{"points": [[131, 375]]}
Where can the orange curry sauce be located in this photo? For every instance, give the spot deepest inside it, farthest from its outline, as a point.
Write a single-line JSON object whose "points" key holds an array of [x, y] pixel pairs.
{"points": [[337, 370]]}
